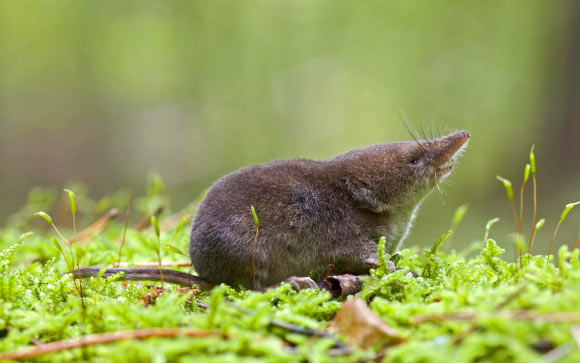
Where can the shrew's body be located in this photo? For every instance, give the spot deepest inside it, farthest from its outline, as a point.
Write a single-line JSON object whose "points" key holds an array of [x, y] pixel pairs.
{"points": [[311, 213]]}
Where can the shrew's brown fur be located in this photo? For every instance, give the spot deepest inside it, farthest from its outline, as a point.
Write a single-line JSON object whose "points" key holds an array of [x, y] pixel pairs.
{"points": [[313, 213]]}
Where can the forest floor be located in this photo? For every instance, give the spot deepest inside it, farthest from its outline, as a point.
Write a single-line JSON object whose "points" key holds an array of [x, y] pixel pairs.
{"points": [[437, 305]]}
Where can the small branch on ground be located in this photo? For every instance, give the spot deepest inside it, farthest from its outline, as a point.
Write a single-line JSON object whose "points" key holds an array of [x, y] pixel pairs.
{"points": [[563, 317], [104, 338], [152, 264]]}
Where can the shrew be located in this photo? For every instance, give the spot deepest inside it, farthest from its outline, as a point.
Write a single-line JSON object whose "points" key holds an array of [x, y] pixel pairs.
{"points": [[312, 214]]}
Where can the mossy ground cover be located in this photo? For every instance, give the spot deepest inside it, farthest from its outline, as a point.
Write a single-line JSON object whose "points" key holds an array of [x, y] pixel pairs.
{"points": [[478, 305]]}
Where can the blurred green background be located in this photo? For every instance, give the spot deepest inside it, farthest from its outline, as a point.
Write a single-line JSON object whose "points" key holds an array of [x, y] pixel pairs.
{"points": [[105, 92]]}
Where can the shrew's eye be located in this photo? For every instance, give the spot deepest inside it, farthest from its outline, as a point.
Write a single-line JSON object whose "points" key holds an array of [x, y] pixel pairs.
{"points": [[414, 159]]}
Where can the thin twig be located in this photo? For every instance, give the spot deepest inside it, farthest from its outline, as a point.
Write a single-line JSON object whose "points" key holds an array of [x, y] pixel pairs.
{"points": [[556, 354], [103, 338], [462, 335], [562, 317], [305, 331], [293, 328], [153, 264], [199, 304], [511, 297]]}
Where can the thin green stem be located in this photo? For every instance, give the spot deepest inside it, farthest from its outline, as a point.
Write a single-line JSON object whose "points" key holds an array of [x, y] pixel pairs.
{"points": [[521, 207], [126, 227], [254, 258], [76, 279], [71, 265], [553, 238], [257, 223], [80, 281], [534, 216], [60, 234], [159, 259], [514, 214], [577, 244]]}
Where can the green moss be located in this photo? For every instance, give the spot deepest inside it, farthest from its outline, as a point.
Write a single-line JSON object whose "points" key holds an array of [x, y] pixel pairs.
{"points": [[40, 304]]}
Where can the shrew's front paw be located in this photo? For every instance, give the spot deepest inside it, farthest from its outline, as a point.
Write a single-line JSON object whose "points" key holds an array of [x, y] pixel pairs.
{"points": [[373, 262]]}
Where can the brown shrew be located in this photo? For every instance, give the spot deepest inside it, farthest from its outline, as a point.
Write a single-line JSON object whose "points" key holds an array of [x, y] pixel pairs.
{"points": [[311, 213]]}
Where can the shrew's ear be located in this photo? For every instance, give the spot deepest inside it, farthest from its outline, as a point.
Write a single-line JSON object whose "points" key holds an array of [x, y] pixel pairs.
{"points": [[366, 198]]}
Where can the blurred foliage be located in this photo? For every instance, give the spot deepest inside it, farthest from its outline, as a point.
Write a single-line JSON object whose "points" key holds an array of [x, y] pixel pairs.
{"points": [[106, 92]]}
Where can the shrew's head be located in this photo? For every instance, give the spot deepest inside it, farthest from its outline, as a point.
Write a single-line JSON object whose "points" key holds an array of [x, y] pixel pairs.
{"points": [[401, 174]]}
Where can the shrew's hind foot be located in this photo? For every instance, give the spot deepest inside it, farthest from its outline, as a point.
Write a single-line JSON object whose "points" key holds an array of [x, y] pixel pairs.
{"points": [[300, 283]]}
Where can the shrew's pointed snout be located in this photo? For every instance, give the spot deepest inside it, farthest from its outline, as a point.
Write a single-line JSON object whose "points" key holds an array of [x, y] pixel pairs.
{"points": [[463, 135], [449, 145]]}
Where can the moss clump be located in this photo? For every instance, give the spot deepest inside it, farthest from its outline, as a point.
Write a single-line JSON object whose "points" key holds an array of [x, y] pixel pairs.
{"points": [[449, 306]]}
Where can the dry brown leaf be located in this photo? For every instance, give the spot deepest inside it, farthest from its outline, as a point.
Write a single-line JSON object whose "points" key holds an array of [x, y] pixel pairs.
{"points": [[96, 227], [342, 285], [166, 223], [145, 222], [149, 298], [361, 326], [188, 290], [173, 220]]}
